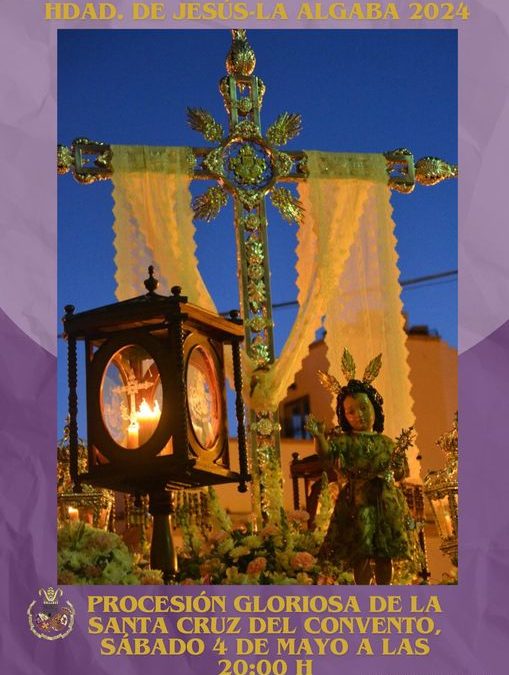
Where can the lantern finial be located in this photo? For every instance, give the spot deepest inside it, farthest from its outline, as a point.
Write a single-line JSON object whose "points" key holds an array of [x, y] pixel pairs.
{"points": [[151, 283]]}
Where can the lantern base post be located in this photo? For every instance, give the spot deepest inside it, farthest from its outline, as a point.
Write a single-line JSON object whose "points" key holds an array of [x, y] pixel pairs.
{"points": [[163, 555]]}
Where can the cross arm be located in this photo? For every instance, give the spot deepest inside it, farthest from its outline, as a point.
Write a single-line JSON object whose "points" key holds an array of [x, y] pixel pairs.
{"points": [[91, 161]]}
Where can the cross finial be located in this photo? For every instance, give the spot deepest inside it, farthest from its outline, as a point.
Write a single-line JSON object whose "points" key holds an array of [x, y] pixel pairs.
{"points": [[241, 59]]}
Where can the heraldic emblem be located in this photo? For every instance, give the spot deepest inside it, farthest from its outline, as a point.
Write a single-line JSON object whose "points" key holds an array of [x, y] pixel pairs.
{"points": [[48, 617]]}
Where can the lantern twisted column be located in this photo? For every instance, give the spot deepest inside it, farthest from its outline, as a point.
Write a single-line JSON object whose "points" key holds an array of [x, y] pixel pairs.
{"points": [[72, 379]]}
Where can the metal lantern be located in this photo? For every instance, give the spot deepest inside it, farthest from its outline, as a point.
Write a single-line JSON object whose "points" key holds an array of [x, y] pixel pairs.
{"points": [[441, 488], [156, 401]]}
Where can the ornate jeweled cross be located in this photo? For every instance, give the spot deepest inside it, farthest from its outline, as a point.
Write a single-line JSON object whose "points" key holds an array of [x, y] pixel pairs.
{"points": [[131, 389], [250, 166]]}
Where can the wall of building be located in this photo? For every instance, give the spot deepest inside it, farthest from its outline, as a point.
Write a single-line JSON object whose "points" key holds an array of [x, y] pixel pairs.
{"points": [[434, 377]]}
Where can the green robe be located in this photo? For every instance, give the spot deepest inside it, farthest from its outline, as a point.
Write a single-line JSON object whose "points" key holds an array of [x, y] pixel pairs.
{"points": [[371, 517]]}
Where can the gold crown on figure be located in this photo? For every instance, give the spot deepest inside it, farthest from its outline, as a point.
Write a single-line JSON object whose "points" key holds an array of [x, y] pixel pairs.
{"points": [[51, 595], [348, 369]]}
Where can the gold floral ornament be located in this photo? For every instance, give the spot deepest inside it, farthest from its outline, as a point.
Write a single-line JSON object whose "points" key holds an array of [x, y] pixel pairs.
{"points": [[241, 59], [372, 369], [245, 130], [348, 369], [247, 167], [432, 170], [404, 172], [288, 206], [329, 382], [214, 162], [286, 127], [88, 161], [255, 272], [256, 294], [240, 64], [202, 121], [254, 251], [265, 426], [259, 353], [250, 199], [207, 206], [251, 222], [190, 161], [65, 159], [282, 163], [348, 365], [248, 173], [258, 323], [245, 106]]}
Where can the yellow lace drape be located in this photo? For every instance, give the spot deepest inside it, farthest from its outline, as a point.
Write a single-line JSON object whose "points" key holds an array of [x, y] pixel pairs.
{"points": [[153, 222], [333, 197]]}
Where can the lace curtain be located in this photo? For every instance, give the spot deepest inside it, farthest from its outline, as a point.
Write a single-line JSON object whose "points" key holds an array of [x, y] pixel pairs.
{"points": [[334, 198], [153, 222]]}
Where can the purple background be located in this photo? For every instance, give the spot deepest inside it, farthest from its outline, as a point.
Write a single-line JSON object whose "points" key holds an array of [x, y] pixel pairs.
{"points": [[475, 620]]}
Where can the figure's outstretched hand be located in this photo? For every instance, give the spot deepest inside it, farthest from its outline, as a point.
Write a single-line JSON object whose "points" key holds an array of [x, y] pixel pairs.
{"points": [[399, 459], [315, 427]]}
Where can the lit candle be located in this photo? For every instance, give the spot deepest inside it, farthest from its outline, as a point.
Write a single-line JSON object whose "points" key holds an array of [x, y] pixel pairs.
{"points": [[132, 435], [148, 419], [74, 514]]}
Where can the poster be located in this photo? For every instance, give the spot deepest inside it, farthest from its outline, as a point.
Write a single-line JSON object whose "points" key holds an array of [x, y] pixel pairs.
{"points": [[469, 620]]}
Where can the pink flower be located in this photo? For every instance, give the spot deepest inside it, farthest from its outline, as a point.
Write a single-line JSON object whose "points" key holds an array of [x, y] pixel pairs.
{"points": [[239, 552], [324, 580], [299, 516], [103, 541], [151, 578], [93, 571], [66, 577], [270, 531], [218, 536], [209, 566], [257, 565], [302, 561]]}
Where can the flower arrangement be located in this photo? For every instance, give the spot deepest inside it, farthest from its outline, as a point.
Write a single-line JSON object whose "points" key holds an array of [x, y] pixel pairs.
{"points": [[87, 555], [283, 552]]}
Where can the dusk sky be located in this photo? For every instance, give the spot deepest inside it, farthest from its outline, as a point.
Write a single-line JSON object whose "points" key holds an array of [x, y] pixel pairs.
{"points": [[357, 91]]}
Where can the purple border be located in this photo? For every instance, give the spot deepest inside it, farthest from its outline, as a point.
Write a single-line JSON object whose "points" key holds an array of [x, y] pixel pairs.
{"points": [[475, 619]]}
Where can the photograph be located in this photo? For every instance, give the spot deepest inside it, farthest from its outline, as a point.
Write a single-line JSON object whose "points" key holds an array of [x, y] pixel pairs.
{"points": [[317, 200]]}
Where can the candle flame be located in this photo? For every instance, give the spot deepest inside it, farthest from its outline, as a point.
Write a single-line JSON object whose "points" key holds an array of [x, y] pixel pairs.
{"points": [[145, 412]]}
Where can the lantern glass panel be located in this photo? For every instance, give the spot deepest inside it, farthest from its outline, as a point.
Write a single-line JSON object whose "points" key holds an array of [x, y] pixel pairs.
{"points": [[131, 396], [203, 397]]}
